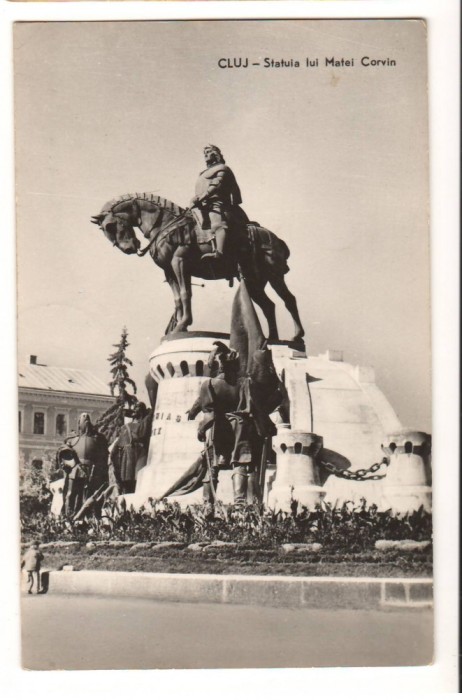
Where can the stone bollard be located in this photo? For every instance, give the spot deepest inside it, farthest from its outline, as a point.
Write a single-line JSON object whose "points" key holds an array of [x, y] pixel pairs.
{"points": [[407, 485], [297, 474]]}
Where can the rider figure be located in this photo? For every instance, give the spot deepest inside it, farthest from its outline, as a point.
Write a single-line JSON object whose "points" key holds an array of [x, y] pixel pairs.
{"points": [[218, 197]]}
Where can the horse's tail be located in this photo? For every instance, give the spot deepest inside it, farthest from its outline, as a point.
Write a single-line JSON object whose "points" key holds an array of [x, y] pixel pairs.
{"points": [[285, 249], [274, 249]]}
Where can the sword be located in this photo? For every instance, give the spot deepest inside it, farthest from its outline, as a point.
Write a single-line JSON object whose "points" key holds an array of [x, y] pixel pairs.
{"points": [[264, 457], [209, 467]]}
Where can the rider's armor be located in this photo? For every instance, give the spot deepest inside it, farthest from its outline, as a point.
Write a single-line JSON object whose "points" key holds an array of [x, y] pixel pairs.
{"points": [[219, 197], [218, 190]]}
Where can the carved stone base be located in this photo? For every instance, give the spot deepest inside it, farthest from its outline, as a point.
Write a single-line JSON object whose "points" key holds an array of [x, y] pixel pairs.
{"points": [[407, 485], [179, 365], [297, 474], [407, 499]]}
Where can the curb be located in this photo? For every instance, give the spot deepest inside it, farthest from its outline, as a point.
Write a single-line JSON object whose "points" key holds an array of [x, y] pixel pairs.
{"points": [[273, 591]]}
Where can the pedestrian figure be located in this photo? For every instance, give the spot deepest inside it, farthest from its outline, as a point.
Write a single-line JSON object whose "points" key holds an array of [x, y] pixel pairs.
{"points": [[32, 562]]}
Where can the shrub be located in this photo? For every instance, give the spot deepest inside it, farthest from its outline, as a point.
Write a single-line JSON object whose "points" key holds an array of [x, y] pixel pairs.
{"points": [[346, 528], [34, 494]]}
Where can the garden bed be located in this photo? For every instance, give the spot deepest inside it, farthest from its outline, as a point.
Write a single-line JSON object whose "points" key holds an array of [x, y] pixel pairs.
{"points": [[328, 541], [242, 560]]}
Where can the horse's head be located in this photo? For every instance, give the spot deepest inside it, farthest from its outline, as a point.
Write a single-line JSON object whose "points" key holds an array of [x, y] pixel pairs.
{"points": [[117, 225]]}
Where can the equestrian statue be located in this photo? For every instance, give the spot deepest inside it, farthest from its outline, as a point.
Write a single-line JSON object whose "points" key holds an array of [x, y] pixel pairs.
{"points": [[211, 240]]}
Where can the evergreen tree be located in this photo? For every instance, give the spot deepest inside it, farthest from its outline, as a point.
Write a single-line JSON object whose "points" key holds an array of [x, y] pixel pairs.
{"points": [[112, 420]]}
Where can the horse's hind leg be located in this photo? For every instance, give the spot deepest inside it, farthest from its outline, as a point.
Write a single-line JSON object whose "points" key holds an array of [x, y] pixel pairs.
{"points": [[278, 284], [258, 295]]}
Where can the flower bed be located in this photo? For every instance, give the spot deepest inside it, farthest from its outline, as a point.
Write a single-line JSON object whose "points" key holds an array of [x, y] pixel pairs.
{"points": [[168, 538]]}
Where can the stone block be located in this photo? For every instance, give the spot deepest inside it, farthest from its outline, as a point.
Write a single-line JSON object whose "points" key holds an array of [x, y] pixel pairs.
{"points": [[263, 591], [395, 592], [205, 589], [114, 544], [301, 547], [421, 592], [288, 548], [350, 594], [402, 545], [168, 545], [385, 545], [309, 547], [140, 546], [217, 544], [59, 545], [334, 355], [410, 546]]}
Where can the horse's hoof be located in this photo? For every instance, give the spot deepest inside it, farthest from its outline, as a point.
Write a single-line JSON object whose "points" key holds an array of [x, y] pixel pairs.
{"points": [[297, 344]]}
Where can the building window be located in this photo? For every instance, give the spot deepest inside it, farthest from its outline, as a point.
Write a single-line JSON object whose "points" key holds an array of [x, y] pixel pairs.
{"points": [[39, 423], [20, 421], [61, 424]]}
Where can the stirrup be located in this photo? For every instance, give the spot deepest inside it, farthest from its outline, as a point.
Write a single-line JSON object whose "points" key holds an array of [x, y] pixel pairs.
{"points": [[216, 255]]}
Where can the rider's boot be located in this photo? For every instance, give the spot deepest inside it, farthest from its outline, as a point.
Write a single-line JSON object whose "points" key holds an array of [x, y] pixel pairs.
{"points": [[220, 239]]}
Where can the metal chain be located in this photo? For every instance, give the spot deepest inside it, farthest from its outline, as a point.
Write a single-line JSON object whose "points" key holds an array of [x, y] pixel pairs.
{"points": [[360, 474]]}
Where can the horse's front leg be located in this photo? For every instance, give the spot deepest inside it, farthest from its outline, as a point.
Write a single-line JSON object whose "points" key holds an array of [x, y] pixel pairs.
{"points": [[177, 314], [183, 279]]}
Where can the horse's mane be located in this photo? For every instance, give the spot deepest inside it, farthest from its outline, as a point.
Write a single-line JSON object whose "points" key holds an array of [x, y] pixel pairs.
{"points": [[161, 202]]}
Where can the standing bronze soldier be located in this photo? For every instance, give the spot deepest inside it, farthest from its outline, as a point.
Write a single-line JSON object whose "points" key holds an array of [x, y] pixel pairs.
{"points": [[75, 480], [92, 451], [230, 435], [130, 451]]}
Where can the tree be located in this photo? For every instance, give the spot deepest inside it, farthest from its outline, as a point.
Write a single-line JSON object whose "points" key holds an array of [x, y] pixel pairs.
{"points": [[112, 420]]}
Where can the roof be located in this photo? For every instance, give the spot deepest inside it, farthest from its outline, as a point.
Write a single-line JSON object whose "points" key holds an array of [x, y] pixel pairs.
{"points": [[77, 381]]}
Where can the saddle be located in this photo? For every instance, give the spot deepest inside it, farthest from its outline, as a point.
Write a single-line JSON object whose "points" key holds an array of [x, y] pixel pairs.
{"points": [[204, 234]]}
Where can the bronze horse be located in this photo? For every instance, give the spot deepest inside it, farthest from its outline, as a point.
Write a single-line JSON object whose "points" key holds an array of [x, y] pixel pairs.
{"points": [[177, 243]]}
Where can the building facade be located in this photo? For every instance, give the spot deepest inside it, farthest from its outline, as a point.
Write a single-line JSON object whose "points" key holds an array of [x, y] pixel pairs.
{"points": [[49, 403]]}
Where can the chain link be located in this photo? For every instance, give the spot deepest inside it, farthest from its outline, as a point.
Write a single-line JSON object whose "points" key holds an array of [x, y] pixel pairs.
{"points": [[360, 474]]}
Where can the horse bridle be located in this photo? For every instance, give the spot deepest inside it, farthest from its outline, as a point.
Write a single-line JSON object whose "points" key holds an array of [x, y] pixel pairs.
{"points": [[164, 229], [178, 218]]}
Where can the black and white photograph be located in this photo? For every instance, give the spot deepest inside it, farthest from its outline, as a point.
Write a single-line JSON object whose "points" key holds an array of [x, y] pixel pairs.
{"points": [[224, 344]]}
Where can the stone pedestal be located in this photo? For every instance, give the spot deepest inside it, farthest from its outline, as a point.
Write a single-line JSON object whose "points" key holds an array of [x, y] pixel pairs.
{"points": [[407, 485], [179, 365], [297, 474], [345, 406]]}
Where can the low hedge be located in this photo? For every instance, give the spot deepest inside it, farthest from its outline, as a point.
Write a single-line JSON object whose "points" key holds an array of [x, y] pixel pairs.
{"points": [[345, 528]]}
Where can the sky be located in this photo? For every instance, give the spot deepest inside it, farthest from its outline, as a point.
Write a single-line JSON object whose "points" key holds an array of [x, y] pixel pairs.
{"points": [[333, 160]]}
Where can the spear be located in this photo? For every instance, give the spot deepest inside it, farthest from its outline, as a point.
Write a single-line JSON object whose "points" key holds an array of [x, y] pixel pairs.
{"points": [[264, 457], [91, 500]]}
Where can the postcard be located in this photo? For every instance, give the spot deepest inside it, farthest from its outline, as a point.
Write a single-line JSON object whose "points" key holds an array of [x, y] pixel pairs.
{"points": [[224, 344]]}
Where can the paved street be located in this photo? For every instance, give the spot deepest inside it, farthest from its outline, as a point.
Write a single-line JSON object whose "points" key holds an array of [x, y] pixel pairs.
{"points": [[77, 632]]}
